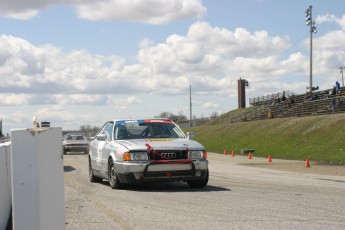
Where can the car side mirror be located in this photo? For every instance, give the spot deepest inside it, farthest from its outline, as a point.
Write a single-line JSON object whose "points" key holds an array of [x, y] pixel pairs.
{"points": [[190, 135], [101, 137]]}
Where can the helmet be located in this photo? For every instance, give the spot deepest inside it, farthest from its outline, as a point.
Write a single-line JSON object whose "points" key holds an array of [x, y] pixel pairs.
{"points": [[122, 132]]}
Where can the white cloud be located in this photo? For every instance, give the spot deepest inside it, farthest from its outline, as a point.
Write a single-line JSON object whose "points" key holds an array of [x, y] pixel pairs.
{"points": [[22, 15], [58, 113], [15, 117], [133, 100], [148, 11], [145, 43], [331, 18], [15, 99], [332, 40], [210, 105], [81, 99], [211, 59]]}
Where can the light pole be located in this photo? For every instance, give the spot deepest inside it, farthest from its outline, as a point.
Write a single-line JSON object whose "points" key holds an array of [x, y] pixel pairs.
{"points": [[190, 106], [311, 24], [341, 71]]}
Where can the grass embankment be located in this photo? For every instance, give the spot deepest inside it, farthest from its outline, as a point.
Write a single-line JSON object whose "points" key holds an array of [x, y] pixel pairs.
{"points": [[318, 138]]}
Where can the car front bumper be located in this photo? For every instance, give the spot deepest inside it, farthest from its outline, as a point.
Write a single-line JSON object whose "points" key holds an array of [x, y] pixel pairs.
{"points": [[160, 171], [75, 148]]}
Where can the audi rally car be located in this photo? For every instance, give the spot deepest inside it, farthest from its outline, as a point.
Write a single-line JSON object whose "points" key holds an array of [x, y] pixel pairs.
{"points": [[147, 150]]}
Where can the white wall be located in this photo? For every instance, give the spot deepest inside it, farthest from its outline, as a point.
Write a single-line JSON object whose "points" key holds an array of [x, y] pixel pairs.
{"points": [[5, 184], [37, 179]]}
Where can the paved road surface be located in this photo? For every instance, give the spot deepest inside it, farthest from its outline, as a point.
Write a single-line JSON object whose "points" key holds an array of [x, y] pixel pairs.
{"points": [[239, 196]]}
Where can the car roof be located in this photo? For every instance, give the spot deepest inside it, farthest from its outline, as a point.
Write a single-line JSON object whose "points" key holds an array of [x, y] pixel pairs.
{"points": [[143, 119]]}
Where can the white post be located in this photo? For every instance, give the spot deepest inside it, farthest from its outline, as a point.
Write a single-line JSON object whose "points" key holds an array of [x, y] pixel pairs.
{"points": [[37, 179], [5, 184]]}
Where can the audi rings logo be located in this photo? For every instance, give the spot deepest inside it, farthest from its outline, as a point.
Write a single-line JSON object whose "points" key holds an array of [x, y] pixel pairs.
{"points": [[168, 155]]}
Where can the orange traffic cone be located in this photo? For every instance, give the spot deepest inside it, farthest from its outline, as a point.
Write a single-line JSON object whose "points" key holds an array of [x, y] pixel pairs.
{"points": [[307, 164], [269, 158], [249, 155], [225, 152], [233, 153]]}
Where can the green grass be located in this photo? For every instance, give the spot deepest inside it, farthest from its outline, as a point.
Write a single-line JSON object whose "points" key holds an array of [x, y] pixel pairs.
{"points": [[318, 138]]}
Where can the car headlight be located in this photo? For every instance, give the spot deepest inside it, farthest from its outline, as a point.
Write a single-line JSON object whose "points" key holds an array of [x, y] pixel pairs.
{"points": [[197, 154], [135, 156]]}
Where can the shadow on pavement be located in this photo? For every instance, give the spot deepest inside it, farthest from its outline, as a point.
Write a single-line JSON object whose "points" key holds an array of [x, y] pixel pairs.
{"points": [[168, 187], [68, 168]]}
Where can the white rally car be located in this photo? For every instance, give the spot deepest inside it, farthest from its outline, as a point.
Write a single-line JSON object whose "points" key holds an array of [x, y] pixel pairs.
{"points": [[146, 150]]}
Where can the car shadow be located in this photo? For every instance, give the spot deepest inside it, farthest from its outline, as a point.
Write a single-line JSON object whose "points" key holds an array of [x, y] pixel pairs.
{"points": [[75, 153], [168, 187], [67, 168]]}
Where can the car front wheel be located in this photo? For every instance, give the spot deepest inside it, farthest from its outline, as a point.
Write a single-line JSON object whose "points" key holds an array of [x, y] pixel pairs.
{"points": [[199, 183], [114, 181]]}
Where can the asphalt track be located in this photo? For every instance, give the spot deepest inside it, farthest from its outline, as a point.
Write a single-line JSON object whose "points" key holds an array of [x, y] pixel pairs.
{"points": [[242, 194]]}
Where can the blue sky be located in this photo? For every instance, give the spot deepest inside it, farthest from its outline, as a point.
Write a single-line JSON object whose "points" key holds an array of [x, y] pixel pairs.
{"points": [[77, 62]]}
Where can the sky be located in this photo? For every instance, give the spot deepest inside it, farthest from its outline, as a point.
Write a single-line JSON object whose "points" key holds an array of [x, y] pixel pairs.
{"points": [[83, 62]]}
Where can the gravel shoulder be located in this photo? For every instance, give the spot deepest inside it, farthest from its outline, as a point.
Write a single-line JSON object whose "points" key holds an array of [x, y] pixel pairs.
{"points": [[285, 165]]}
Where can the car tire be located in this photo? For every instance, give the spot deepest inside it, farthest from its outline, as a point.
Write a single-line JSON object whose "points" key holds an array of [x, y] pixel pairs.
{"points": [[92, 176], [199, 183], [113, 178]]}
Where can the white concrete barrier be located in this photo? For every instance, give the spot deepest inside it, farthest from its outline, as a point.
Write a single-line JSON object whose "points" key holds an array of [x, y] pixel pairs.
{"points": [[5, 184], [37, 179]]}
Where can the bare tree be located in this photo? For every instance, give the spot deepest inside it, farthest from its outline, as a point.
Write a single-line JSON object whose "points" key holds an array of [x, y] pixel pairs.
{"points": [[88, 130], [176, 118]]}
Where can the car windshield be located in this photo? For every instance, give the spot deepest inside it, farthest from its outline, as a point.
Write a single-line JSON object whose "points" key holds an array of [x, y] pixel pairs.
{"points": [[139, 129], [78, 137]]}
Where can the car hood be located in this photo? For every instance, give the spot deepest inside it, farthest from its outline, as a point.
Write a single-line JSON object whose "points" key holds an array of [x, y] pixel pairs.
{"points": [[161, 143]]}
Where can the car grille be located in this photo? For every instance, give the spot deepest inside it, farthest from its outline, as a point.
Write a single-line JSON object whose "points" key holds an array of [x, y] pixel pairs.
{"points": [[76, 145], [169, 155]]}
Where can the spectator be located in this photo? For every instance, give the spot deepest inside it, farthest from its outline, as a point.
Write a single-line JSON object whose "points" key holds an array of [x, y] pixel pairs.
{"points": [[307, 96], [337, 86], [332, 92], [269, 115], [290, 101], [311, 96], [314, 96]]}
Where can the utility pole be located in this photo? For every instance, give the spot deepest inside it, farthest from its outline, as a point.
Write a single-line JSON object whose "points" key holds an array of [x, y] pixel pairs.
{"points": [[341, 71], [190, 106], [311, 24]]}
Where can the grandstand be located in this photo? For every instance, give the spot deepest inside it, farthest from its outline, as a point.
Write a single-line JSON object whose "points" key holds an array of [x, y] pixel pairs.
{"points": [[303, 105], [322, 102]]}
